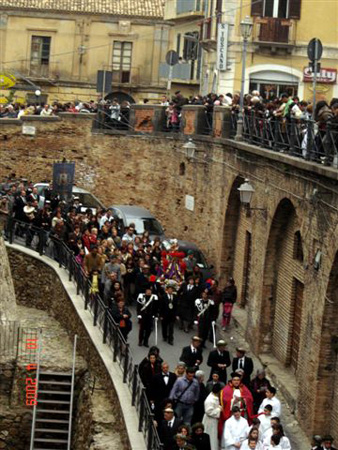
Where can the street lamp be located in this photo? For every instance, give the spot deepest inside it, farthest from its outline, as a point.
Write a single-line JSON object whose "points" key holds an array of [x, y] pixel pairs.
{"points": [[246, 29], [246, 191], [189, 149], [37, 95]]}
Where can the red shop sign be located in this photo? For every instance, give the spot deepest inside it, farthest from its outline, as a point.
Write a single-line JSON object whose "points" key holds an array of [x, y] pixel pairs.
{"points": [[326, 76]]}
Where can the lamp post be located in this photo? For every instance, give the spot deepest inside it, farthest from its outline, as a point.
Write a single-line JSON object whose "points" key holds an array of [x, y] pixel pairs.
{"points": [[246, 29]]}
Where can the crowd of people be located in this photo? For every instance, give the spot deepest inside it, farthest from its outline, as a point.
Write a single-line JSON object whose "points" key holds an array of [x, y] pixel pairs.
{"points": [[192, 410], [260, 116]]}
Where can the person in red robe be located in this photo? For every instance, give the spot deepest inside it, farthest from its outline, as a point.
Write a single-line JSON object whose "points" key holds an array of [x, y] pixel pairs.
{"points": [[235, 393]]}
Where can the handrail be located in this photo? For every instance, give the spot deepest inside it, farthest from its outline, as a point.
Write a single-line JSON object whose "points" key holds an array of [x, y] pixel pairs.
{"points": [[102, 317], [37, 385], [72, 395]]}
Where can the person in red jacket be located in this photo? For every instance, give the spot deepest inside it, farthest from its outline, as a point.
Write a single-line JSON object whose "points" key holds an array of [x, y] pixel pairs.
{"points": [[235, 394]]}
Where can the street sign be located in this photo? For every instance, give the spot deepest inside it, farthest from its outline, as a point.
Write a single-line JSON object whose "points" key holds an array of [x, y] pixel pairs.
{"points": [[172, 58], [315, 49]]}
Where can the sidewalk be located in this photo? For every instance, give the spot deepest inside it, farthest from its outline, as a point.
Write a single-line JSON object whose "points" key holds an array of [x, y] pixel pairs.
{"points": [[281, 378]]}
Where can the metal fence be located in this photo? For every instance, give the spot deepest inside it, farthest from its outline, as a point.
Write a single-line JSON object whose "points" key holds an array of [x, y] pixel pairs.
{"points": [[301, 138], [18, 343], [47, 244]]}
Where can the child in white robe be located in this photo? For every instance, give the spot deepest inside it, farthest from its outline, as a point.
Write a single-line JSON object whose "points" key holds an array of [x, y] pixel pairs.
{"points": [[235, 431]]}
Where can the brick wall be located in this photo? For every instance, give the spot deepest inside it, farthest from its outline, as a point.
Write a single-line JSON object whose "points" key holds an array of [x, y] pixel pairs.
{"points": [[145, 170]]}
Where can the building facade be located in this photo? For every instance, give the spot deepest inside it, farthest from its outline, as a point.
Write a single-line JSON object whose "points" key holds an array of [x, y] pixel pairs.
{"points": [[59, 47], [185, 17], [277, 58]]}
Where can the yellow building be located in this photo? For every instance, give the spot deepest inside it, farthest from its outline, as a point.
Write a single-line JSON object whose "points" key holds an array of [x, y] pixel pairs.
{"points": [[277, 58], [59, 46], [186, 17]]}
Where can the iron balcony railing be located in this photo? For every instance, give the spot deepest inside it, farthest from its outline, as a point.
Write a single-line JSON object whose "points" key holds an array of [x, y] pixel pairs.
{"points": [[300, 138], [51, 246]]}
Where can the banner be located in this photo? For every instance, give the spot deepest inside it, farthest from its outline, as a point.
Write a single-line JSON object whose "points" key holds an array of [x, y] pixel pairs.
{"points": [[63, 179], [222, 46]]}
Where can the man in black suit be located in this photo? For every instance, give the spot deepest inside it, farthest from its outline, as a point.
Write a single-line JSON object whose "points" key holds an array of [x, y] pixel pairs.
{"points": [[243, 362], [192, 354], [187, 295], [168, 429], [219, 360], [160, 388], [168, 311]]}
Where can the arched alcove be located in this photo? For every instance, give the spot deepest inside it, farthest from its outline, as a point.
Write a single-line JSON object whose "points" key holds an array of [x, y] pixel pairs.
{"points": [[282, 295], [230, 230], [327, 379]]}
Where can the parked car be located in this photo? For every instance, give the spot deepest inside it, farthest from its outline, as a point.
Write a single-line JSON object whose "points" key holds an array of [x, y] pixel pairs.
{"points": [[141, 217], [184, 246], [87, 199]]}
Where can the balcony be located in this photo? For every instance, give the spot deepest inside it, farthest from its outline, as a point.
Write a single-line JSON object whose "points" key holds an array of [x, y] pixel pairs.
{"points": [[183, 72], [275, 35], [188, 10]]}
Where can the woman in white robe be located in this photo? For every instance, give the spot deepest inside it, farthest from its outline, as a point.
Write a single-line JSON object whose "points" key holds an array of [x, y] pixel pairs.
{"points": [[212, 412], [235, 431]]}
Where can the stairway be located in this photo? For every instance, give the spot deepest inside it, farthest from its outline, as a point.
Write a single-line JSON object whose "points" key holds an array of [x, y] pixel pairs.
{"points": [[53, 416]]}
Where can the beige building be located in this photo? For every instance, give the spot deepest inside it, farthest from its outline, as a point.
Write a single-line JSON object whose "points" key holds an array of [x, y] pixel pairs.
{"points": [[277, 58], [185, 17], [60, 45]]}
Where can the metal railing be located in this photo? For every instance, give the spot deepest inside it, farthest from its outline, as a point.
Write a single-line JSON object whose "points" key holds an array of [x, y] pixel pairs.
{"points": [[301, 138], [51, 246]]}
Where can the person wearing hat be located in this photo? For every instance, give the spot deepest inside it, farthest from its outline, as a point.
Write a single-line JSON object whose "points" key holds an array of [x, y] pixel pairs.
{"points": [[241, 361], [327, 443], [237, 394], [147, 309], [219, 360], [192, 354], [167, 429], [187, 294]]}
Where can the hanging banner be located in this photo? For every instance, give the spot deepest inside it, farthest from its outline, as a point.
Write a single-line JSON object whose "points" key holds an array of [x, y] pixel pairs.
{"points": [[63, 179], [222, 46]]}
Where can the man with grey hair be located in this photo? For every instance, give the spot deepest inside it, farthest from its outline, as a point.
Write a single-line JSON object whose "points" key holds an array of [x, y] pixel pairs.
{"points": [[199, 405]]}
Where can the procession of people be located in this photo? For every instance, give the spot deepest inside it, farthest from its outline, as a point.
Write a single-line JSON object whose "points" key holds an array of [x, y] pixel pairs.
{"points": [[233, 406]]}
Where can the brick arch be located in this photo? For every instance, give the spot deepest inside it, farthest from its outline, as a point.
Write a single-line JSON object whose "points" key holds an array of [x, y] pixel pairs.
{"points": [[327, 379], [282, 282], [230, 230]]}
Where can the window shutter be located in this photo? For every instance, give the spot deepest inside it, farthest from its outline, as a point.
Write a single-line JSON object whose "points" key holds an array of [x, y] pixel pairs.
{"points": [[257, 7], [294, 9]]}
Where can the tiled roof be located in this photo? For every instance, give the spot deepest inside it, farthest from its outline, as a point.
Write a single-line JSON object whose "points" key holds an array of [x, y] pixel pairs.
{"points": [[138, 8]]}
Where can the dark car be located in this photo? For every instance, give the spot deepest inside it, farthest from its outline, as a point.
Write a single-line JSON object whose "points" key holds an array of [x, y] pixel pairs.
{"points": [[184, 246]]}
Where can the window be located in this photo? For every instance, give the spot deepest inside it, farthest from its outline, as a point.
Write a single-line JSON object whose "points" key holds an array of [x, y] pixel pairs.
{"points": [[40, 55], [282, 9], [276, 8], [178, 44], [190, 49], [298, 247], [184, 6], [122, 52]]}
